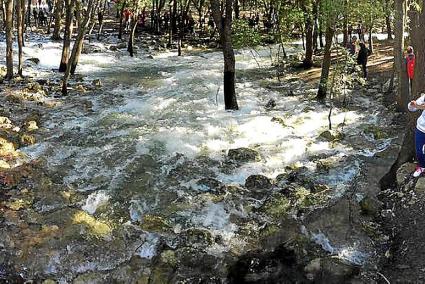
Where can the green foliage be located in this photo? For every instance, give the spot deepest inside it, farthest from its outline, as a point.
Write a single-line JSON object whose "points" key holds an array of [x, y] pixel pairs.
{"points": [[244, 35]]}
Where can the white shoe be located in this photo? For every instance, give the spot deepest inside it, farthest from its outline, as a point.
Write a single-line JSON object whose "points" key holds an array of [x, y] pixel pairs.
{"points": [[418, 171]]}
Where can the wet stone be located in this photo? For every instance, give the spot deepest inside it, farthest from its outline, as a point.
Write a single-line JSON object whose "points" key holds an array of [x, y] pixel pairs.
{"points": [[243, 155], [420, 185], [210, 185], [404, 172], [258, 182], [331, 135], [33, 60]]}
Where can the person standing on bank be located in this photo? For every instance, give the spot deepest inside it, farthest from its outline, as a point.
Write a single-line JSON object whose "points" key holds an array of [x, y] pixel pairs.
{"points": [[362, 56], [419, 104], [410, 66]]}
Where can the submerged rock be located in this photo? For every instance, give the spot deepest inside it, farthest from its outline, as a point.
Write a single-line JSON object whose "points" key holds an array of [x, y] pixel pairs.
{"points": [[33, 60], [31, 125], [258, 182], [420, 185], [210, 185], [271, 104], [97, 83], [331, 135], [243, 155]]}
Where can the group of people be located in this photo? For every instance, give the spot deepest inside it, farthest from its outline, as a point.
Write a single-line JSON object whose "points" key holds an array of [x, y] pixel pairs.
{"points": [[40, 16]]}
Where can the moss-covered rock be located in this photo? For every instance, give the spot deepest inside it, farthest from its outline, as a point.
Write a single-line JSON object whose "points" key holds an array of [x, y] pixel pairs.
{"points": [[331, 135], [376, 132], [258, 182], [276, 206], [154, 223], [243, 155], [27, 139]]}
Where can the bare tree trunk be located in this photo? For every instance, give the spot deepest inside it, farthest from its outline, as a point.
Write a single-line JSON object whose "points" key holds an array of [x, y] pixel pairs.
{"points": [[121, 18], [78, 46], [388, 19], [224, 26], [58, 17], [69, 4], [323, 85], [9, 39], [130, 48], [399, 68], [308, 60], [20, 4], [370, 39]]}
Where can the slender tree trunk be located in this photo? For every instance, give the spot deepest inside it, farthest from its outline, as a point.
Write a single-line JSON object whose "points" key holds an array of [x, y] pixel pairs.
{"points": [[174, 17], [308, 60], [79, 41], [323, 85], [224, 26], [58, 17], [130, 48], [121, 18], [370, 39], [316, 26], [69, 4], [345, 31], [29, 13], [388, 19], [78, 46], [402, 84], [20, 34], [236, 8], [9, 39]]}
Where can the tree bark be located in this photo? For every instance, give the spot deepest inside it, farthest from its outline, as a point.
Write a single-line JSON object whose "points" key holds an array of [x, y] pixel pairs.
{"points": [[223, 22], [308, 21], [323, 85], [402, 93], [9, 39], [131, 38], [20, 19], [78, 46], [121, 18], [58, 17], [388, 19], [69, 4], [370, 39]]}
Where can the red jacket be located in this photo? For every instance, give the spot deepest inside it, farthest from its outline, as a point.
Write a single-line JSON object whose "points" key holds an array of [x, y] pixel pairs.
{"points": [[410, 65]]}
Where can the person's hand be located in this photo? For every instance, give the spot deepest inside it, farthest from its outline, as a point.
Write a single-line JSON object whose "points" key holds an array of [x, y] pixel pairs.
{"points": [[413, 103]]}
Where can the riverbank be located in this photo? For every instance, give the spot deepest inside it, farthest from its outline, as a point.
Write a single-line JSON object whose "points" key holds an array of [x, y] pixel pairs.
{"points": [[139, 174]]}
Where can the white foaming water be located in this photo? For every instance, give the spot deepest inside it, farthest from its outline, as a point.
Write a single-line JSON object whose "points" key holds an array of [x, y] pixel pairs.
{"points": [[149, 248], [347, 253], [95, 200]]}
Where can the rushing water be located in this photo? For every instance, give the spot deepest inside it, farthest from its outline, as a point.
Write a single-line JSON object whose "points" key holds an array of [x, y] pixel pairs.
{"points": [[141, 146]]}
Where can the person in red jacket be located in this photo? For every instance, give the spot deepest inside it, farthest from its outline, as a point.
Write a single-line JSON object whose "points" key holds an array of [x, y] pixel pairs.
{"points": [[410, 64]]}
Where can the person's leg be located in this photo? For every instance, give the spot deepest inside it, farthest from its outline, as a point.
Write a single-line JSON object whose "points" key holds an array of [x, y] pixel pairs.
{"points": [[364, 70], [419, 145]]}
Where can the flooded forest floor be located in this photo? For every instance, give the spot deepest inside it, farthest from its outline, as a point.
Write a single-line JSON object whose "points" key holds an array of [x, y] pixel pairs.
{"points": [[140, 176]]}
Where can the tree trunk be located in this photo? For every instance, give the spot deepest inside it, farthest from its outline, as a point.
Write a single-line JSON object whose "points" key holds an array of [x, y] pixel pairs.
{"points": [[223, 22], [323, 85], [130, 48], [308, 60], [20, 19], [121, 18], [58, 17], [402, 94], [29, 13], [316, 27], [388, 19], [78, 46], [370, 39], [9, 39], [69, 4], [236, 8]]}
